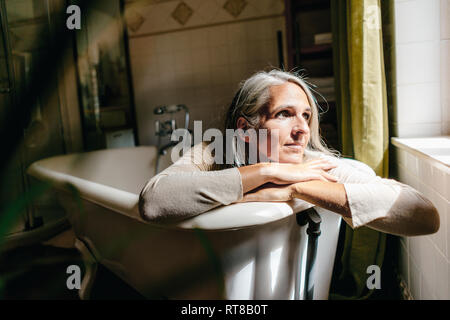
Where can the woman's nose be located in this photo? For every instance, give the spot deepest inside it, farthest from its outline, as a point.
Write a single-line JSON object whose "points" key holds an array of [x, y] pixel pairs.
{"points": [[301, 126]]}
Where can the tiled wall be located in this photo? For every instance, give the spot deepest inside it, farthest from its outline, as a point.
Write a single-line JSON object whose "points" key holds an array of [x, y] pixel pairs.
{"points": [[424, 261], [198, 63], [423, 91], [445, 65], [423, 62]]}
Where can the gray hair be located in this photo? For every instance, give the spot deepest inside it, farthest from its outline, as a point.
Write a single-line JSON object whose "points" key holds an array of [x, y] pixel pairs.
{"points": [[254, 94]]}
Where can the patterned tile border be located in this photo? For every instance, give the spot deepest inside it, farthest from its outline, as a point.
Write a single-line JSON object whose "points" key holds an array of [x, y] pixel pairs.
{"points": [[182, 13], [235, 7]]}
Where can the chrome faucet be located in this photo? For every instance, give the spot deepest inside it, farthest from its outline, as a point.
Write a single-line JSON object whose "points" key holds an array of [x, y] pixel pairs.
{"points": [[169, 126], [166, 128]]}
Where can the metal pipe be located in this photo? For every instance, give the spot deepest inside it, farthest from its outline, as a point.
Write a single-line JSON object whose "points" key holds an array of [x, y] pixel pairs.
{"points": [[313, 219]]}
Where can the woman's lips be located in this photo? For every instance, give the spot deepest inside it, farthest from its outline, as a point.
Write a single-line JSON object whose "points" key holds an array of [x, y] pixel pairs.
{"points": [[295, 146]]}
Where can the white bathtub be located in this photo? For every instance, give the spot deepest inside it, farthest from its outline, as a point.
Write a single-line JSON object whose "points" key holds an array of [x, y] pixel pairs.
{"points": [[241, 251]]}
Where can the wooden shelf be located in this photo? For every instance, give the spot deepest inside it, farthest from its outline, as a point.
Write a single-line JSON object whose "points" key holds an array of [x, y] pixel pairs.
{"points": [[113, 108], [310, 4], [321, 51], [304, 20], [117, 128], [319, 48]]}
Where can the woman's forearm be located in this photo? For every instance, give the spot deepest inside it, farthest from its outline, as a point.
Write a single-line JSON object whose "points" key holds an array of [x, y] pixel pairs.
{"points": [[253, 176], [258, 174], [410, 214], [328, 195]]}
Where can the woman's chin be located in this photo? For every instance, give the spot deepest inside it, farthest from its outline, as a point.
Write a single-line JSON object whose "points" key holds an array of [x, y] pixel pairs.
{"points": [[291, 158]]}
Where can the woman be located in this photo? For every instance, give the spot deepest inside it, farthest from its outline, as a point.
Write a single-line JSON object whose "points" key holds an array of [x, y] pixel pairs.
{"points": [[282, 103]]}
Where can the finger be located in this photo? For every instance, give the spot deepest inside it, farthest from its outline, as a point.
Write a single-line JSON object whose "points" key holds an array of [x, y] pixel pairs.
{"points": [[268, 194], [316, 176], [322, 178], [324, 166], [316, 161], [251, 197], [329, 177], [319, 163]]}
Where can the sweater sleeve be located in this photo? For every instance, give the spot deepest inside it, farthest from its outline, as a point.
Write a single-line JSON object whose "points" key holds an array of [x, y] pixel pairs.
{"points": [[378, 202], [186, 189]]}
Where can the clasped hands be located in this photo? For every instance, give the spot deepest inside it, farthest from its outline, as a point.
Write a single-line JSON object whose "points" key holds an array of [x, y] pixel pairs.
{"points": [[282, 181]]}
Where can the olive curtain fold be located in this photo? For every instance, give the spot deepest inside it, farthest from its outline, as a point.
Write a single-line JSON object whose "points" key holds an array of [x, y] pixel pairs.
{"points": [[361, 97]]}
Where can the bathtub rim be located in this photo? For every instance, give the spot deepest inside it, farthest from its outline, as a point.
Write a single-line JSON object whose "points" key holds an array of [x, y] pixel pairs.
{"points": [[127, 203], [109, 199]]}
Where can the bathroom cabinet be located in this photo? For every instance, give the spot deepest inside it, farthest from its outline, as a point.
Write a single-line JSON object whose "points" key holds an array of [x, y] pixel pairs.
{"points": [[309, 49]]}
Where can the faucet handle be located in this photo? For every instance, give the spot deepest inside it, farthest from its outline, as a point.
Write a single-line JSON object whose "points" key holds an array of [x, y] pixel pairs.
{"points": [[159, 110], [157, 127]]}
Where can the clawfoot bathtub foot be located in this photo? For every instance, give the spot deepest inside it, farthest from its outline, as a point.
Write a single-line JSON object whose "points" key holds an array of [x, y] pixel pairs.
{"points": [[91, 270]]}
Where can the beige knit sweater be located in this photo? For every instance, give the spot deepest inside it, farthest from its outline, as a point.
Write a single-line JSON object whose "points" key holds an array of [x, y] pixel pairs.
{"points": [[186, 189]]}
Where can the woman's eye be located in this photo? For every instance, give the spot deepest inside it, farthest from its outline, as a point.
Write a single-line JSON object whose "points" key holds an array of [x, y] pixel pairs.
{"points": [[307, 116], [282, 114]]}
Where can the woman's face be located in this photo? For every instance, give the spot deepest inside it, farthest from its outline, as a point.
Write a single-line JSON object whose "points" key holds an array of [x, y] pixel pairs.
{"points": [[289, 113]]}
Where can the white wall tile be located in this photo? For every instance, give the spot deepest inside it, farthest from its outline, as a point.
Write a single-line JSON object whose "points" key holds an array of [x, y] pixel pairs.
{"points": [[447, 186], [426, 291], [442, 277], [406, 130], [415, 279], [445, 81], [238, 54], [445, 19], [402, 172], [141, 46], [401, 156], [418, 103], [236, 33], [439, 180], [428, 261], [447, 213], [198, 39], [417, 20], [428, 256], [219, 56], [217, 36], [182, 60], [431, 52], [221, 75], [412, 164], [200, 59], [404, 262], [418, 62], [446, 128], [163, 43], [440, 238], [415, 250], [425, 172]]}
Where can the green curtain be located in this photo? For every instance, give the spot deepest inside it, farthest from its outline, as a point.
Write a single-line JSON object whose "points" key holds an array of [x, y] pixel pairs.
{"points": [[361, 96]]}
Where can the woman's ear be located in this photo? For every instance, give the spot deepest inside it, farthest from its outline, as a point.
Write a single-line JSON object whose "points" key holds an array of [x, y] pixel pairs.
{"points": [[242, 123]]}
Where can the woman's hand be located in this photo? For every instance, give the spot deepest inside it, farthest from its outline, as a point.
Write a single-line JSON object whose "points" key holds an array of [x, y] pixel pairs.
{"points": [[256, 175], [270, 192], [328, 195], [287, 173]]}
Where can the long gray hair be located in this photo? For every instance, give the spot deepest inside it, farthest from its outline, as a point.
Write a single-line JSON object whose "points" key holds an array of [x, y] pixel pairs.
{"points": [[253, 95]]}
